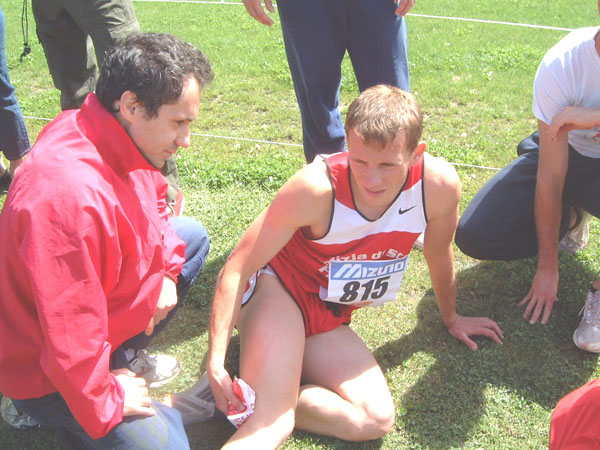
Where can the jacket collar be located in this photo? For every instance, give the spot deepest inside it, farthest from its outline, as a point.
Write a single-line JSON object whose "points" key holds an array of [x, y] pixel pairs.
{"points": [[114, 145]]}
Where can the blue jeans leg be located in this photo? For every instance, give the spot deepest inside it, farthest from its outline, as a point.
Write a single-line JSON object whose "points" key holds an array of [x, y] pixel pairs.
{"points": [[14, 140], [197, 246], [163, 431]]}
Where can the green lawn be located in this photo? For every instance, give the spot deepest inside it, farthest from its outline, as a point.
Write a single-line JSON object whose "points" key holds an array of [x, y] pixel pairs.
{"points": [[474, 83]]}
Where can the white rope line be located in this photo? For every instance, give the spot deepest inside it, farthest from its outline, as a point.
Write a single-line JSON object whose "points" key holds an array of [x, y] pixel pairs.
{"points": [[261, 141], [464, 19], [495, 22]]}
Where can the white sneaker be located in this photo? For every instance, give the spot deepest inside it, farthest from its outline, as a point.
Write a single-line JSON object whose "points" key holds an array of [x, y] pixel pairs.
{"points": [[420, 242], [577, 238], [157, 370], [587, 334], [14, 417]]}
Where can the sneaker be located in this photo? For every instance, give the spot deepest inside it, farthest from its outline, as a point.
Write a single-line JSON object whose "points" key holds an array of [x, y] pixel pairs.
{"points": [[157, 370], [5, 180], [578, 236], [419, 243], [197, 404], [587, 334], [14, 417]]}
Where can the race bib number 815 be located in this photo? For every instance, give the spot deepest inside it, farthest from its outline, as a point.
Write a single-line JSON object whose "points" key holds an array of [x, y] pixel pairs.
{"points": [[368, 282]]}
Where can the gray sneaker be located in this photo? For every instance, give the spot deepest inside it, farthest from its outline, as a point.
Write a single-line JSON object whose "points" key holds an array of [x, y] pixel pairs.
{"points": [[587, 334], [14, 417], [197, 404], [577, 238], [157, 370]]}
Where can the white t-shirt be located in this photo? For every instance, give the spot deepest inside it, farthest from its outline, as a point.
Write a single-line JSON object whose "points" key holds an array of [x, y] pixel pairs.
{"points": [[569, 75]]}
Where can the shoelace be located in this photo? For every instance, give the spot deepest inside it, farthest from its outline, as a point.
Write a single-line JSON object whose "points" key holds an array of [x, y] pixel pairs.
{"points": [[591, 309], [145, 361]]}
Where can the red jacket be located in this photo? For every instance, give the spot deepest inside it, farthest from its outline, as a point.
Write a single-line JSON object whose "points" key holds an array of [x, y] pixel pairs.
{"points": [[84, 246]]}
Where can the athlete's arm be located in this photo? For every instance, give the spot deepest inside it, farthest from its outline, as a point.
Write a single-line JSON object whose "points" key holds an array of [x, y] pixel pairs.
{"points": [[552, 170], [304, 201], [442, 195]]}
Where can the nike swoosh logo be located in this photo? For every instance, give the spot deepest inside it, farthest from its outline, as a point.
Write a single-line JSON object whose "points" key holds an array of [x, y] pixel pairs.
{"points": [[402, 211]]}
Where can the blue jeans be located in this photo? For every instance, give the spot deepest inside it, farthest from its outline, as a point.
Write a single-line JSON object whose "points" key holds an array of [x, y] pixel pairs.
{"points": [[165, 429], [162, 431], [317, 34], [14, 140], [499, 223]]}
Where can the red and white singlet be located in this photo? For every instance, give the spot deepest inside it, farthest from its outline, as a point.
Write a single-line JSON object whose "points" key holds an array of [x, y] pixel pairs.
{"points": [[358, 262]]}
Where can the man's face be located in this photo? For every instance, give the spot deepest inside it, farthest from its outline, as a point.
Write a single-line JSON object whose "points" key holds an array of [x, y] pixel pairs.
{"points": [[378, 174], [158, 138]]}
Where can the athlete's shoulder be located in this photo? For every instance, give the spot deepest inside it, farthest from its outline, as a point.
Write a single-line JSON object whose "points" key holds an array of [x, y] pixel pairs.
{"points": [[440, 172], [313, 179]]}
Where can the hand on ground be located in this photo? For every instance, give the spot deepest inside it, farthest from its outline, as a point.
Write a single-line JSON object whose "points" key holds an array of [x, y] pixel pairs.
{"points": [[464, 327], [541, 297]]}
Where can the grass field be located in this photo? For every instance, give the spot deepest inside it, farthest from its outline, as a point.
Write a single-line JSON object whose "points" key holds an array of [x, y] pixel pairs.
{"points": [[474, 83]]}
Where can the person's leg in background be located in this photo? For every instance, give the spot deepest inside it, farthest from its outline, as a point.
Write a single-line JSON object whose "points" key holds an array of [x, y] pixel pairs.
{"points": [[499, 222], [106, 22], [377, 44], [70, 30], [14, 139], [69, 52], [314, 33]]}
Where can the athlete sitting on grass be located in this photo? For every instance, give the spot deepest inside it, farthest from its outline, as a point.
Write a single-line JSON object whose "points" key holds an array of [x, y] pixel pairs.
{"points": [[335, 238]]}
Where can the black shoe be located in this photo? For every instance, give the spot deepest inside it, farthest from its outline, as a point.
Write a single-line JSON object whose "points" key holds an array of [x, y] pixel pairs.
{"points": [[5, 180]]}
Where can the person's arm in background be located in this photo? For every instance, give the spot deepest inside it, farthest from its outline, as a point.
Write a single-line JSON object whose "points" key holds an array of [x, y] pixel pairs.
{"points": [[552, 169]]}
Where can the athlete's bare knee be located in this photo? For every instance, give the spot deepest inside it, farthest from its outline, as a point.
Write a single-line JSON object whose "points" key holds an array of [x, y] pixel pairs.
{"points": [[374, 422], [379, 421]]}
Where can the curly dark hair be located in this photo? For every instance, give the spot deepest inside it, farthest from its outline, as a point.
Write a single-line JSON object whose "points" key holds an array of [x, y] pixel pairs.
{"points": [[154, 67]]}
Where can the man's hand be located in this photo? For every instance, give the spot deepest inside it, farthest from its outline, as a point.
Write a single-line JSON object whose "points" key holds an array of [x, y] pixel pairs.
{"points": [[255, 9], [573, 118], [222, 387], [166, 302], [403, 7], [463, 327], [137, 400], [541, 297]]}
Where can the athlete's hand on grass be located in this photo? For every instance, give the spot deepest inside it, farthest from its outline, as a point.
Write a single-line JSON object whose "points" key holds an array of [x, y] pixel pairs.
{"points": [[256, 10], [166, 302], [136, 400], [403, 7], [463, 327], [541, 297], [222, 387]]}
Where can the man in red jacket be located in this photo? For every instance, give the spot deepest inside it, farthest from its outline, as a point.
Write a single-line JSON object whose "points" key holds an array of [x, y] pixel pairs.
{"points": [[90, 263]]}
